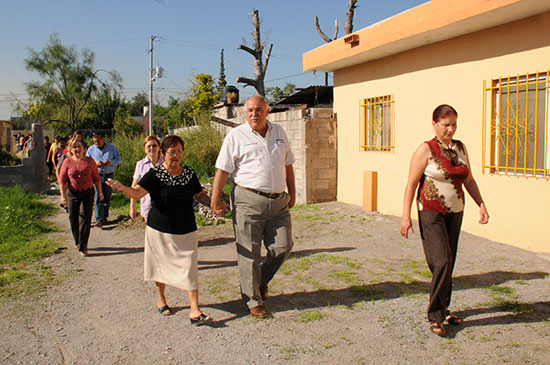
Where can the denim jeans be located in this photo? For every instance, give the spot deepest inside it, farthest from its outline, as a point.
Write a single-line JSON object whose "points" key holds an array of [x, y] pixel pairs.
{"points": [[101, 210]]}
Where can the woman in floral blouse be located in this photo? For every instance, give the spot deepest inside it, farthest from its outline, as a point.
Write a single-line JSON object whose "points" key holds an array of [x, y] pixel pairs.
{"points": [[439, 168]]}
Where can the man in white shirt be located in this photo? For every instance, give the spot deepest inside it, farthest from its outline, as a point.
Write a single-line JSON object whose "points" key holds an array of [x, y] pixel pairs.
{"points": [[259, 157]]}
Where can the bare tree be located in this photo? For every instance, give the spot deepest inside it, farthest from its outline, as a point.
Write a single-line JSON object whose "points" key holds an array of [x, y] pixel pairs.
{"points": [[348, 29], [260, 67]]}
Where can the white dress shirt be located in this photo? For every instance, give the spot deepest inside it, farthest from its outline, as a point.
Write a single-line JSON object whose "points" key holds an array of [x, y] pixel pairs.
{"points": [[254, 161]]}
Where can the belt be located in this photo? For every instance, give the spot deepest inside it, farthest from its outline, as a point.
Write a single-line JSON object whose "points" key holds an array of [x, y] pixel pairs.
{"points": [[267, 195]]}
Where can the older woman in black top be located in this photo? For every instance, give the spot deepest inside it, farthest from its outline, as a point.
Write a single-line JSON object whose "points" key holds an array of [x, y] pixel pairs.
{"points": [[170, 235]]}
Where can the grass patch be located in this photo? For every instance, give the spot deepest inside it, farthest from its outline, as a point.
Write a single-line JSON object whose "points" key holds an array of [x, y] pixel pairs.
{"points": [[423, 273], [367, 293], [407, 279], [216, 286], [304, 263], [310, 316], [295, 264], [413, 264], [513, 306], [121, 201], [501, 290], [345, 276], [22, 242]]}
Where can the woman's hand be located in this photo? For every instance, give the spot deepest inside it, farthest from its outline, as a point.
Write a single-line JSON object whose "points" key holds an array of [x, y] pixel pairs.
{"points": [[483, 215], [100, 197], [218, 207], [132, 213], [404, 227], [63, 201], [117, 185]]}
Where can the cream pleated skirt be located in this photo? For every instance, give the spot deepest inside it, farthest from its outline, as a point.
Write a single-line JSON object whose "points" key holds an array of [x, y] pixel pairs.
{"points": [[171, 259]]}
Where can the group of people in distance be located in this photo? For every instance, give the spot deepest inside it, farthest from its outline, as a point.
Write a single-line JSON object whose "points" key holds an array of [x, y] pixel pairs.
{"points": [[258, 156]]}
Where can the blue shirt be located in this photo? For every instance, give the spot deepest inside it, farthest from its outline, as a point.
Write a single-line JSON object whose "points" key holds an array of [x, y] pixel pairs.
{"points": [[108, 153]]}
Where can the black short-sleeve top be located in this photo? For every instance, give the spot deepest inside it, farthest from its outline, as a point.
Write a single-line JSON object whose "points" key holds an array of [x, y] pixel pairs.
{"points": [[171, 199]]}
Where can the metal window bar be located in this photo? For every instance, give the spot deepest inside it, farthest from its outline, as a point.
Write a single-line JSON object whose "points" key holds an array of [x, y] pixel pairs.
{"points": [[516, 135], [377, 124]]}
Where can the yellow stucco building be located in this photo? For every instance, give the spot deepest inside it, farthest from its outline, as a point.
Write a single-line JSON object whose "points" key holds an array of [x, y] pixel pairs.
{"points": [[490, 59]]}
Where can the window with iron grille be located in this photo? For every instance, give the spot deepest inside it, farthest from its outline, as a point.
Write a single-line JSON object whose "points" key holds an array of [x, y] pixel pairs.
{"points": [[515, 125], [377, 124]]}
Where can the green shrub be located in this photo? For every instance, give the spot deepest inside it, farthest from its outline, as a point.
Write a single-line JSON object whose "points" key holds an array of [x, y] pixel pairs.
{"points": [[8, 159], [131, 151], [202, 145]]}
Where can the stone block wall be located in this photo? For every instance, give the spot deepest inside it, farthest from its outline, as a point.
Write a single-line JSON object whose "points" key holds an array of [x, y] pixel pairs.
{"points": [[32, 174]]}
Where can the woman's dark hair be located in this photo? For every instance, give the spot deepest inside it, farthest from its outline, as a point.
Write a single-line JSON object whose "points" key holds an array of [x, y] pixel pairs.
{"points": [[443, 111], [170, 141]]}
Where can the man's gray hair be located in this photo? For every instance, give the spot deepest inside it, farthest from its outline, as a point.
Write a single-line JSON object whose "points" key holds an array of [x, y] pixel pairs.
{"points": [[258, 96]]}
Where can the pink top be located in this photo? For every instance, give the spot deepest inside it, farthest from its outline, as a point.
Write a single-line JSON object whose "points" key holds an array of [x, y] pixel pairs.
{"points": [[79, 175], [142, 167]]}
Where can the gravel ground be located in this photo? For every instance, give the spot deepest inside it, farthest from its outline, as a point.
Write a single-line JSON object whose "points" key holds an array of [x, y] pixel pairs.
{"points": [[353, 291]]}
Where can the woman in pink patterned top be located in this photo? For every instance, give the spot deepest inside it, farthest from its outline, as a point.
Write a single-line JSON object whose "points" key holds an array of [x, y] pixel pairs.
{"points": [[77, 177], [153, 158], [439, 168]]}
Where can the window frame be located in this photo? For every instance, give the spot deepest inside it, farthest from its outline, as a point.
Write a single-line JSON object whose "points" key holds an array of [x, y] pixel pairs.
{"points": [[508, 128], [377, 124]]}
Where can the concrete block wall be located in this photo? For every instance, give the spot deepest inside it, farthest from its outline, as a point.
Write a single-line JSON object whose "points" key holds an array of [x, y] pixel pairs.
{"points": [[32, 174], [294, 125], [322, 156]]}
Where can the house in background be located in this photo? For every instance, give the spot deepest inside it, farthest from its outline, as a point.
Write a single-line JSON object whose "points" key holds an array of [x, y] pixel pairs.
{"points": [[6, 139], [488, 59]]}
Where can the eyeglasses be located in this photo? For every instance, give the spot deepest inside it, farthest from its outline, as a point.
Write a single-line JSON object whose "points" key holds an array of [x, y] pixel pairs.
{"points": [[152, 146], [174, 153]]}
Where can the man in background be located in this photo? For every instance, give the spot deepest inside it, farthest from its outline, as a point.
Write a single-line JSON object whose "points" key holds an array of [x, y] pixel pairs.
{"points": [[107, 158]]}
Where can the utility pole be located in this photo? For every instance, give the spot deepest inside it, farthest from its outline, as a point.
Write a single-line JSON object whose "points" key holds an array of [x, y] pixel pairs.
{"points": [[151, 80]]}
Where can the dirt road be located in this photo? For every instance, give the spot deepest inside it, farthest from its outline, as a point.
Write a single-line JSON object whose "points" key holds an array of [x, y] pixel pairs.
{"points": [[353, 291]]}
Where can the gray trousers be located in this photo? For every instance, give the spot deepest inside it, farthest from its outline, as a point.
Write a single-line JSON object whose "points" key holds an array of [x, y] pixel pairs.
{"points": [[255, 219]]}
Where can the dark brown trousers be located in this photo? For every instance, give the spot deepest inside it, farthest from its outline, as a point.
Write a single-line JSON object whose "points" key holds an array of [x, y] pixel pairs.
{"points": [[439, 232]]}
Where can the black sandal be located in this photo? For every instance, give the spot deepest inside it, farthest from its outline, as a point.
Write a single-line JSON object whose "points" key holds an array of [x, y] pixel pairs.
{"points": [[438, 328], [453, 320], [164, 309], [200, 320]]}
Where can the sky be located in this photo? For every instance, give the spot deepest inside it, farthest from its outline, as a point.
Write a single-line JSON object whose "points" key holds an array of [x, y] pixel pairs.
{"points": [[189, 38]]}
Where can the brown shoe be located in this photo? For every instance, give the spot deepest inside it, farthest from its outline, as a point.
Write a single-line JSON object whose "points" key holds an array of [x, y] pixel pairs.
{"points": [[263, 292], [258, 312]]}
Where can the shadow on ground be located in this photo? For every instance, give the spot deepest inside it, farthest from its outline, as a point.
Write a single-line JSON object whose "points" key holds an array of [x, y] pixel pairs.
{"points": [[390, 290]]}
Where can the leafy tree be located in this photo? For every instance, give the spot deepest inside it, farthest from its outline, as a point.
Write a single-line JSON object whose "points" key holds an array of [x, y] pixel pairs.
{"points": [[138, 102], [275, 93], [101, 110], [70, 81], [124, 124], [203, 95]]}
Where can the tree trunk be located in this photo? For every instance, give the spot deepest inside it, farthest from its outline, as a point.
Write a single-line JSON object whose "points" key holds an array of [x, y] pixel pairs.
{"points": [[348, 29], [260, 67]]}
